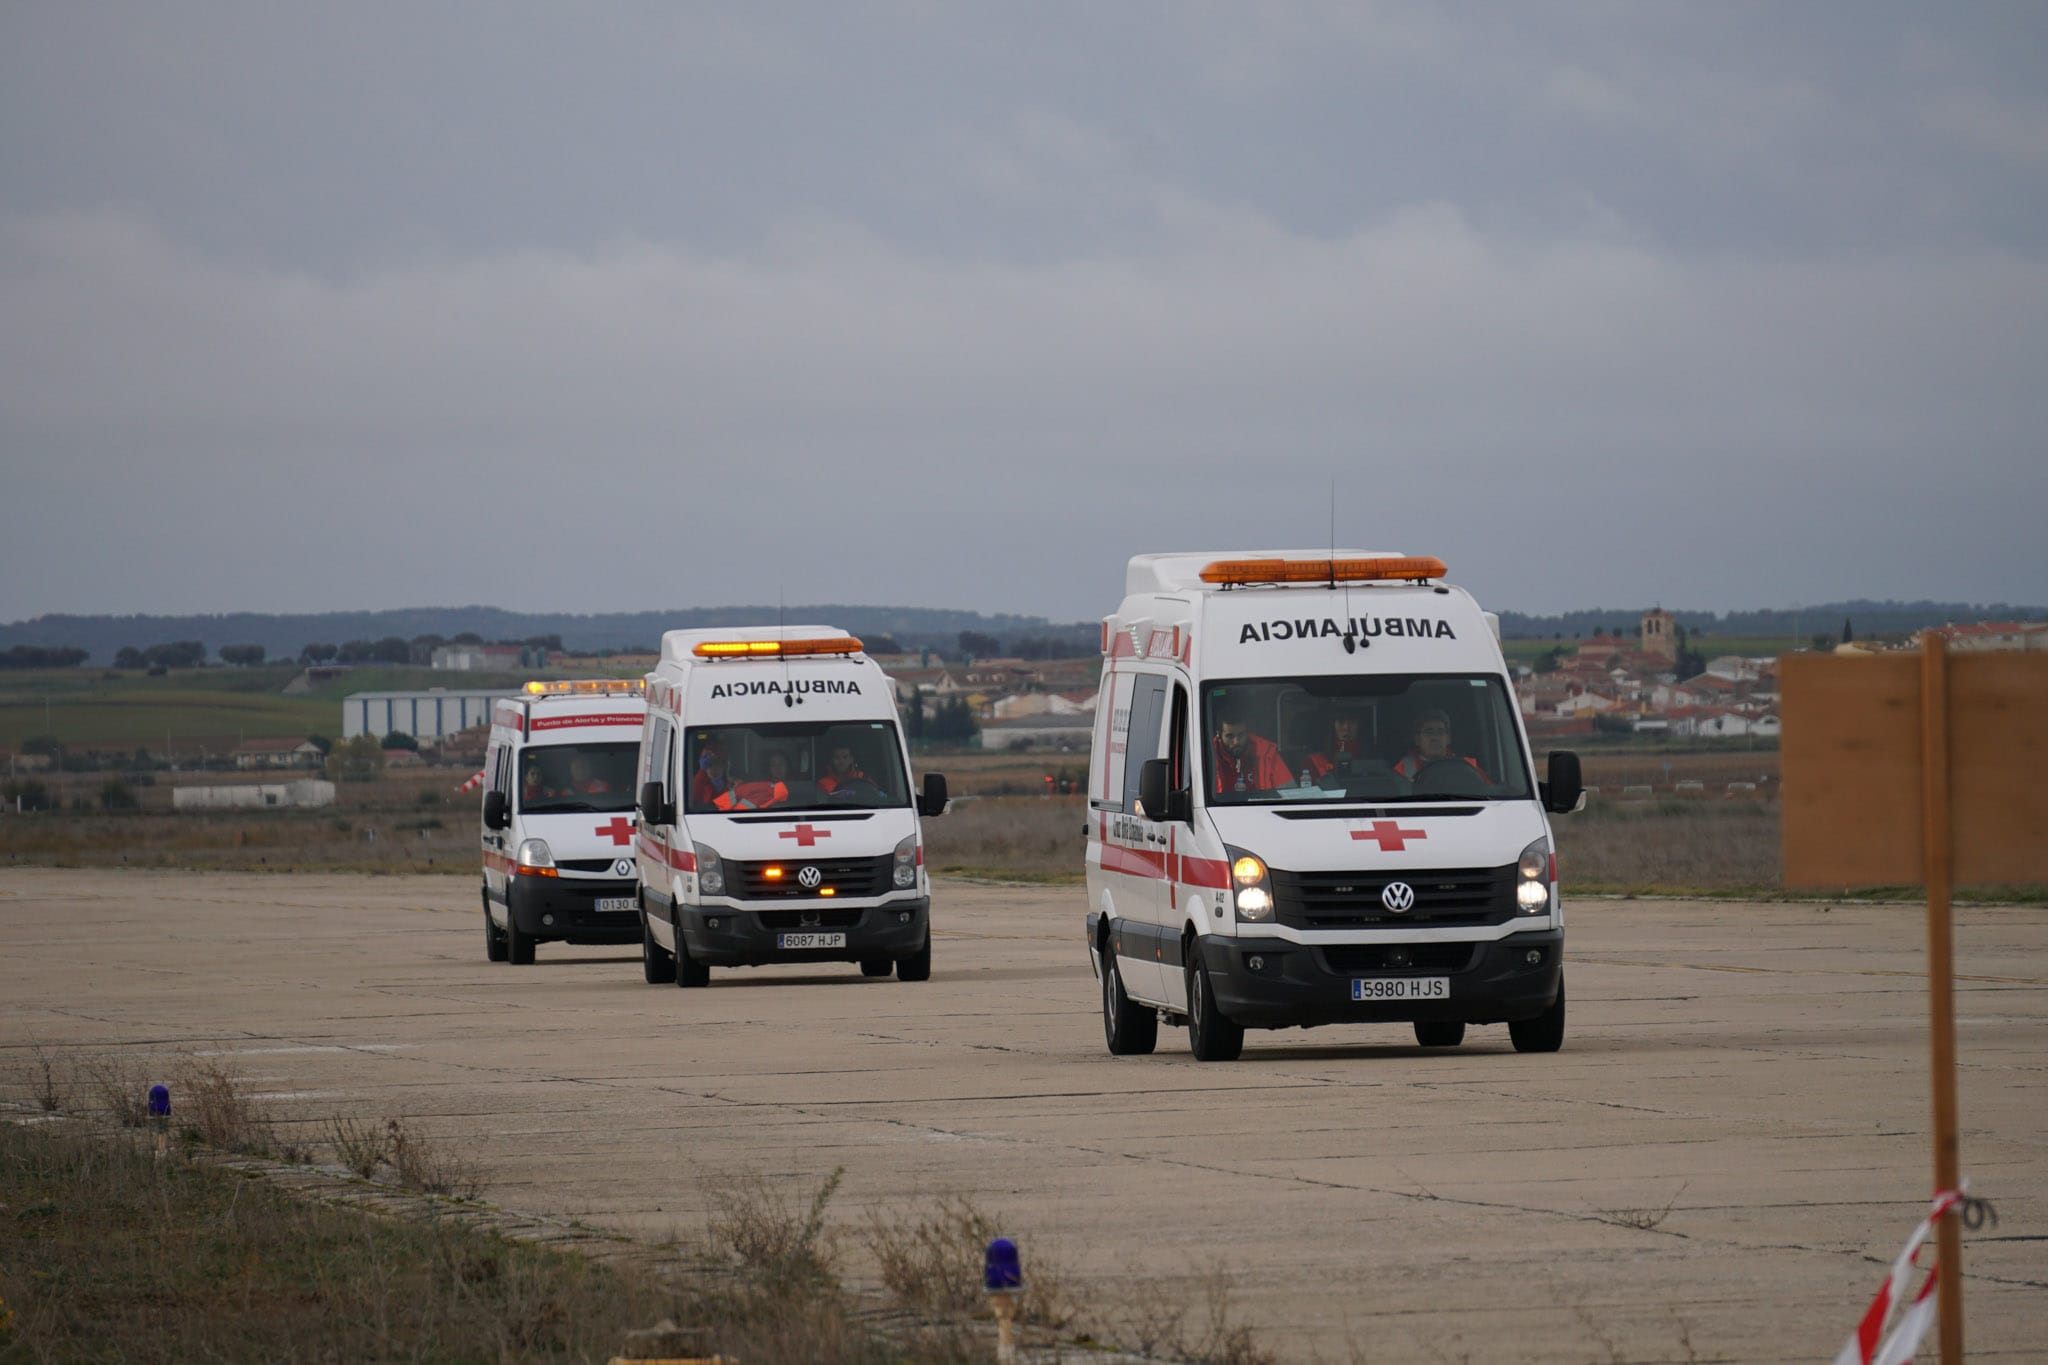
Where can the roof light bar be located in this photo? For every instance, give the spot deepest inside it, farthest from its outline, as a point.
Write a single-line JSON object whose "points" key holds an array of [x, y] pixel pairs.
{"points": [[1237, 572], [551, 689], [768, 649]]}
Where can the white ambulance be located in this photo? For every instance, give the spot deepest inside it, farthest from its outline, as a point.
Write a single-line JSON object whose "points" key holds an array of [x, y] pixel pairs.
{"points": [[558, 817], [777, 823], [1311, 802]]}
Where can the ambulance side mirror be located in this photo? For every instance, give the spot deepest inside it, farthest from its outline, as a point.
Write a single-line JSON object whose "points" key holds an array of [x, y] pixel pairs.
{"points": [[654, 806], [933, 801], [1155, 801], [1564, 791], [497, 811]]}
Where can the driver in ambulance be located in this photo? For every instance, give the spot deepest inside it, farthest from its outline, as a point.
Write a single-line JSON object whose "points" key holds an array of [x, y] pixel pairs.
{"points": [[1433, 745]]}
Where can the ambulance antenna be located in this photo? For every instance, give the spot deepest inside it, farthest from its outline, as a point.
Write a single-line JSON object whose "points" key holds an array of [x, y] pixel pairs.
{"points": [[1350, 637], [789, 696]]}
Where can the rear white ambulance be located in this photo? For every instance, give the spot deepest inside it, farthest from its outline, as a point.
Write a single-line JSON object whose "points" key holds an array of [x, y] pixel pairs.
{"points": [[1312, 802], [558, 817], [777, 822]]}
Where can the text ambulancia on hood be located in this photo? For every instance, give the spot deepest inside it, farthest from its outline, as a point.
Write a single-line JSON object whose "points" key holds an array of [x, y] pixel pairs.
{"points": [[1313, 627], [836, 686]]}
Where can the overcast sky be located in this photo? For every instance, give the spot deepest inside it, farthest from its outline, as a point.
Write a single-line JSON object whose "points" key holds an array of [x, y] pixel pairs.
{"points": [[591, 308]]}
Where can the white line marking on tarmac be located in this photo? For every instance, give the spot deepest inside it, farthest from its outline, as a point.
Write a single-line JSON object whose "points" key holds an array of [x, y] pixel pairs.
{"points": [[304, 1047]]}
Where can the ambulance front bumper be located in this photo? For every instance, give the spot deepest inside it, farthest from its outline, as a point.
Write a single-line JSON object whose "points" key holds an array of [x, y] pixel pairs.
{"points": [[1297, 986], [728, 936], [565, 909]]}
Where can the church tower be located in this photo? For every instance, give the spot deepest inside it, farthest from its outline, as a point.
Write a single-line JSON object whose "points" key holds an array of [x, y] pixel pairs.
{"points": [[1659, 634]]}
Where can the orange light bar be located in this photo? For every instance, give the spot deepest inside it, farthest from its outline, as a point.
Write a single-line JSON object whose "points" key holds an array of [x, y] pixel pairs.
{"points": [[773, 874], [788, 649], [827, 891], [1233, 572], [549, 689]]}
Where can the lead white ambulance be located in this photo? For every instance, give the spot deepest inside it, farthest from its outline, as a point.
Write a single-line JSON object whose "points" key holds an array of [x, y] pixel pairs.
{"points": [[1311, 802], [777, 823], [558, 818]]}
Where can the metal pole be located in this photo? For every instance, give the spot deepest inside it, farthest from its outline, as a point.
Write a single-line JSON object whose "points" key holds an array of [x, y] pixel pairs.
{"points": [[1941, 998]]}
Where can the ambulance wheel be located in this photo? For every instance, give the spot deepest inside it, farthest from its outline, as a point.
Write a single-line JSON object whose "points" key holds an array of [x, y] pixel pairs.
{"points": [[494, 937], [1130, 1029], [690, 973], [1544, 1033], [1211, 1037], [657, 963], [1440, 1032], [876, 966], [918, 966], [518, 946]]}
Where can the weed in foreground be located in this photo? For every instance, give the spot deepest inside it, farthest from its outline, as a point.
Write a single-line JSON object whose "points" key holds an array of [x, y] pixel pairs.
{"points": [[358, 1145], [119, 1089], [44, 1087], [213, 1108], [775, 1236], [1157, 1324], [1645, 1220], [429, 1165], [932, 1262]]}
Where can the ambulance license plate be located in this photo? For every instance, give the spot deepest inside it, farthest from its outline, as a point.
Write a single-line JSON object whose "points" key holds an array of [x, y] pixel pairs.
{"points": [[1401, 988], [810, 940], [617, 903]]}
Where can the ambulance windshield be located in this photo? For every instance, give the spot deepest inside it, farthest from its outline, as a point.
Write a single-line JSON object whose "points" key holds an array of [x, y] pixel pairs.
{"points": [[824, 765], [1380, 737], [569, 779]]}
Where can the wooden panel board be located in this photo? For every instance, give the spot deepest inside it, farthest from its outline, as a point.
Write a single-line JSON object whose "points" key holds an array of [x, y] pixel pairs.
{"points": [[1850, 756], [1998, 766]]}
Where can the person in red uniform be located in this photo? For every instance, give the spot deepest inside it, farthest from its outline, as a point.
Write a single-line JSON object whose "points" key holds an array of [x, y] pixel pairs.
{"points": [[1433, 745], [758, 793], [1245, 761], [711, 780], [583, 778], [841, 771], [1344, 750]]}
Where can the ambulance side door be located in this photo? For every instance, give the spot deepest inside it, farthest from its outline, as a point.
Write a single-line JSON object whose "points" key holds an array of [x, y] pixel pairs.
{"points": [[496, 842], [1134, 849], [655, 766]]}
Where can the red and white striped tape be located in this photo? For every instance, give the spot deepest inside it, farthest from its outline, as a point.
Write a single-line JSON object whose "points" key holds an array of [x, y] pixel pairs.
{"points": [[473, 782], [1868, 1344]]}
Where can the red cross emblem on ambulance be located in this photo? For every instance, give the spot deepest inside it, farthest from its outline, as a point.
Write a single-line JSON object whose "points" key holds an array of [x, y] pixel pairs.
{"points": [[1389, 834], [620, 829], [805, 835]]}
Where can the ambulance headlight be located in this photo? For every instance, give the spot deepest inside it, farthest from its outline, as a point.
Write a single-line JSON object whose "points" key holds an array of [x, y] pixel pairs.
{"points": [[1252, 885], [906, 862], [1533, 877], [710, 871], [536, 859]]}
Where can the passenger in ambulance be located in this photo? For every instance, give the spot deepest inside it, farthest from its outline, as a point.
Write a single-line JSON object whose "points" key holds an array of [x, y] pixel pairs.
{"points": [[759, 793], [1245, 761], [532, 786], [1344, 751], [583, 778], [711, 780], [1432, 736], [841, 771]]}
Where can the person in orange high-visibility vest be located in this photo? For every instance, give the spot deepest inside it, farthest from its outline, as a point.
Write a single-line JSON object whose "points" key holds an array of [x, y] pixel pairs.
{"points": [[1344, 750], [1433, 745], [759, 793]]}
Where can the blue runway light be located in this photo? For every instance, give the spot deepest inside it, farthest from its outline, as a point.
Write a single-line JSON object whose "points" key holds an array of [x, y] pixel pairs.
{"points": [[160, 1101], [1002, 1272]]}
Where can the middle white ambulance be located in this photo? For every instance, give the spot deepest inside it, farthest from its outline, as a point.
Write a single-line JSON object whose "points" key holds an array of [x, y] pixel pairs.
{"points": [[777, 821], [1312, 802]]}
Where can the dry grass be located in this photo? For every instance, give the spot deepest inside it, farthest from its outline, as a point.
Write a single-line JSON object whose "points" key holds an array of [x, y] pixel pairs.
{"points": [[1670, 845], [358, 1146], [781, 1239], [931, 1260], [429, 1165], [1025, 838]]}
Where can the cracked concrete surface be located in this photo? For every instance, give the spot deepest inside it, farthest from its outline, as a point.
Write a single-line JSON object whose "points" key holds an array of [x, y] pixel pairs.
{"points": [[1759, 1070]]}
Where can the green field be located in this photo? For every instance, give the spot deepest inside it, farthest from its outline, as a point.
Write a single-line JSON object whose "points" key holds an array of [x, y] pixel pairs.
{"points": [[214, 708]]}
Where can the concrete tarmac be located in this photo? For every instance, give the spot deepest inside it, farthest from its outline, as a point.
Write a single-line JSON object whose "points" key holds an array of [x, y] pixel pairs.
{"points": [[1717, 1167]]}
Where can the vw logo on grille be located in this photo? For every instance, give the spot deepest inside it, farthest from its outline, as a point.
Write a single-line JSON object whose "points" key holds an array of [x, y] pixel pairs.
{"points": [[809, 878], [1399, 897], [623, 868]]}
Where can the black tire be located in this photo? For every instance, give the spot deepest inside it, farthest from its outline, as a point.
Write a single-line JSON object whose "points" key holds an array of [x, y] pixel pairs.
{"points": [[518, 946], [1544, 1033], [494, 937], [918, 966], [1211, 1037], [876, 966], [690, 973], [1439, 1032], [1130, 1029], [657, 964]]}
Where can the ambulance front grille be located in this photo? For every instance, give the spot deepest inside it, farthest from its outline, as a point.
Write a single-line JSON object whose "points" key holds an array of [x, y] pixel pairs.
{"points": [[1352, 899], [843, 876], [1350, 959]]}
